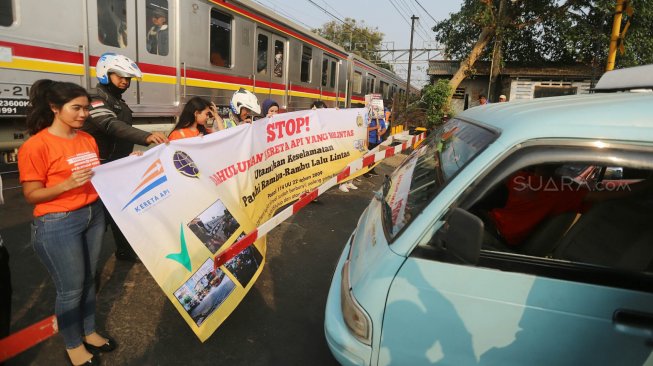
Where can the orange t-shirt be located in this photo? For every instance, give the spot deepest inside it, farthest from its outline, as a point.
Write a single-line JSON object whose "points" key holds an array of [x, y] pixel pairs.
{"points": [[183, 133], [51, 159]]}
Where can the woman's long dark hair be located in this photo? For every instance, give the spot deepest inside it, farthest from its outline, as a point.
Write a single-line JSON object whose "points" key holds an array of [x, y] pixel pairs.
{"points": [[45, 94], [187, 116]]}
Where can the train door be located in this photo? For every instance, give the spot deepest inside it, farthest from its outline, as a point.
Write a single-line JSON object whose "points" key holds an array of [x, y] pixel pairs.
{"points": [[356, 98], [271, 67], [156, 56], [112, 28], [328, 79]]}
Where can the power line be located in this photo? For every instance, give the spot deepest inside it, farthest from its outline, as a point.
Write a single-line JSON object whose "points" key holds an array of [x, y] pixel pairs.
{"points": [[406, 20], [412, 9], [400, 13], [426, 11], [407, 5], [334, 9], [326, 11], [409, 11]]}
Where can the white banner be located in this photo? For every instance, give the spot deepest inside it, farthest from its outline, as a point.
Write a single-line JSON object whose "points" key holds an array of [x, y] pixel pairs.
{"points": [[181, 204]]}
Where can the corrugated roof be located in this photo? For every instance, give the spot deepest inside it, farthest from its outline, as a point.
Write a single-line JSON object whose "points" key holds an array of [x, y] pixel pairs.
{"points": [[482, 68]]}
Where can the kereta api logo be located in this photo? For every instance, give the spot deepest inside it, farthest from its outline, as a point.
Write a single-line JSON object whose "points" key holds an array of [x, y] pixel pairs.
{"points": [[148, 192]]}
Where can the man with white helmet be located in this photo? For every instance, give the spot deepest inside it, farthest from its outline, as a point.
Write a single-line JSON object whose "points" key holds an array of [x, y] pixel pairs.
{"points": [[243, 104], [110, 120], [110, 123]]}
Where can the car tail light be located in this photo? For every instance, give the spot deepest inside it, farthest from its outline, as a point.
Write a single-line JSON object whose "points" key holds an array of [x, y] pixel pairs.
{"points": [[354, 316]]}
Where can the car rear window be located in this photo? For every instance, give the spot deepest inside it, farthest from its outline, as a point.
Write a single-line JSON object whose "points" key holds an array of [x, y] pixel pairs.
{"points": [[418, 179]]}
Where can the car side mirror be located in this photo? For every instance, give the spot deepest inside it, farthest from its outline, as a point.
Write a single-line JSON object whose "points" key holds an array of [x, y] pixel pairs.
{"points": [[461, 237]]}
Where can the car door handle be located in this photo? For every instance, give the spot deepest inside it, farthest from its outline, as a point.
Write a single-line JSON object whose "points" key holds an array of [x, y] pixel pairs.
{"points": [[635, 323]]}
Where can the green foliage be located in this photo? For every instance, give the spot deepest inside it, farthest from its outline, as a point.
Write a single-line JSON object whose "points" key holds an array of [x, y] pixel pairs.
{"points": [[355, 37], [435, 101], [551, 31], [639, 41]]}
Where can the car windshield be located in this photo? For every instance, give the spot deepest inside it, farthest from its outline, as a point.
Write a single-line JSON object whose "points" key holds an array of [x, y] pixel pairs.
{"points": [[422, 175]]}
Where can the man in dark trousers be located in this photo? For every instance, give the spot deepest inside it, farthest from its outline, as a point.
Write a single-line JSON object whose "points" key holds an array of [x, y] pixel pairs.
{"points": [[110, 123]]}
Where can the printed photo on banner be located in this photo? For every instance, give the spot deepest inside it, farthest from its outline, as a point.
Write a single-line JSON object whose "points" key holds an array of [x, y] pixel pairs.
{"points": [[245, 264], [204, 292], [214, 226]]}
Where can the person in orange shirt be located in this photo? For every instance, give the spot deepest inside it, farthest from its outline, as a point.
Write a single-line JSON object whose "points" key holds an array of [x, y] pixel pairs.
{"points": [[193, 118], [55, 167]]}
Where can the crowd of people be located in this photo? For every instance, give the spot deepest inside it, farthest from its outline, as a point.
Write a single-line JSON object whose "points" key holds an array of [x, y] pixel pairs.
{"points": [[71, 132]]}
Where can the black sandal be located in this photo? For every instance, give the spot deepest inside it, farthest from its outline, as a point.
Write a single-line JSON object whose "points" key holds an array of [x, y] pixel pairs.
{"points": [[107, 347]]}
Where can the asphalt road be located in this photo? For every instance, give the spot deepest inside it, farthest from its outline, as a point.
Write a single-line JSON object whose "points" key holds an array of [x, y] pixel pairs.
{"points": [[280, 321]]}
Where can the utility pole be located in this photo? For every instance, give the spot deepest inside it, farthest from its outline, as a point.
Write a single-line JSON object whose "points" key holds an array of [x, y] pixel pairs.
{"points": [[496, 55], [410, 61], [617, 35]]}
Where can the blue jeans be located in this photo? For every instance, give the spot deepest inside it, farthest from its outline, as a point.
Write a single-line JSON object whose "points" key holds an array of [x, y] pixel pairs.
{"points": [[68, 244]]}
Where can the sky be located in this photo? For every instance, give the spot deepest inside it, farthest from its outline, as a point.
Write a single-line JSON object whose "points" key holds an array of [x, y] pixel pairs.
{"points": [[391, 17]]}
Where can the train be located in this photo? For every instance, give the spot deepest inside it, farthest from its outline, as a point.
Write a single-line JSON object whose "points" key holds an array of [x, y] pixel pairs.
{"points": [[206, 48]]}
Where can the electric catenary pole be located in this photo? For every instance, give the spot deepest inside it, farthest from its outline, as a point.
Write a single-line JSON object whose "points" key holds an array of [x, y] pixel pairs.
{"points": [[410, 61]]}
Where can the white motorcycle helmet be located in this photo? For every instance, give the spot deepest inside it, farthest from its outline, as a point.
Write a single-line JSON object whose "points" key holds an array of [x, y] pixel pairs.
{"points": [[244, 98], [120, 65]]}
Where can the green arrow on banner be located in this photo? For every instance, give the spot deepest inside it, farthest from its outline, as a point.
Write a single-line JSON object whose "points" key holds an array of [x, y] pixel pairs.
{"points": [[181, 257]]}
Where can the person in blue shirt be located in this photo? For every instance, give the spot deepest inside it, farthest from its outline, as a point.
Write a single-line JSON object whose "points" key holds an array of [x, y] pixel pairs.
{"points": [[375, 131]]}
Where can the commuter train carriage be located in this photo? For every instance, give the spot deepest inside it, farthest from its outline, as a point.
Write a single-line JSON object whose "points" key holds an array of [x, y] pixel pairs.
{"points": [[184, 48]]}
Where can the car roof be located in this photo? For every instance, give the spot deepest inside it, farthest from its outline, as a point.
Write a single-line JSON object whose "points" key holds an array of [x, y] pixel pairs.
{"points": [[612, 116]]}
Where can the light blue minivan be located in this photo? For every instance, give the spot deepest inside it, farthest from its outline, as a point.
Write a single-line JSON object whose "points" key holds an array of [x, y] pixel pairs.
{"points": [[521, 233]]}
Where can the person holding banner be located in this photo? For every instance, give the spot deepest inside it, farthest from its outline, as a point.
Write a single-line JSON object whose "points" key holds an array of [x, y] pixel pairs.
{"points": [[269, 108], [193, 118], [243, 104], [317, 104], [55, 167], [375, 130], [110, 123]]}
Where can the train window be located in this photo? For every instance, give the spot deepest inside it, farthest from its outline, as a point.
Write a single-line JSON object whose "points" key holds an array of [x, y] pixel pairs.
{"points": [[325, 71], [156, 12], [6, 13], [370, 83], [112, 23], [357, 83], [332, 83], [278, 59], [220, 38], [385, 89], [262, 55], [307, 60]]}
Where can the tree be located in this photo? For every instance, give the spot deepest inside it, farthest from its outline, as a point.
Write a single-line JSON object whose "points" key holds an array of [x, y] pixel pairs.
{"points": [[355, 37], [435, 100], [532, 32]]}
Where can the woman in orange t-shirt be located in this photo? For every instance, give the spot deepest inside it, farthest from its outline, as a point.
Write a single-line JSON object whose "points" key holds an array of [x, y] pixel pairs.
{"points": [[193, 118], [55, 166]]}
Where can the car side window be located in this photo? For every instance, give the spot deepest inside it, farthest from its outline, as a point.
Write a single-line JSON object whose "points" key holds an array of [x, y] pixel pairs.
{"points": [[566, 211]]}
